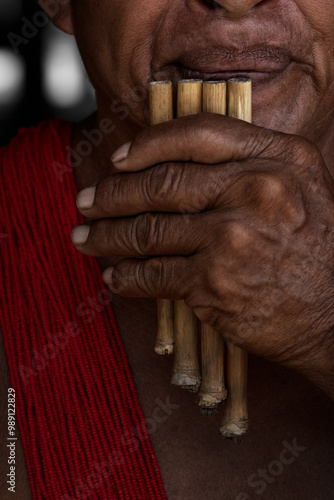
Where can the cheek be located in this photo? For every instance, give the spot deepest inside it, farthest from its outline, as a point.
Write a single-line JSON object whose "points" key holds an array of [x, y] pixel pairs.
{"points": [[304, 100], [115, 41], [320, 14], [320, 17]]}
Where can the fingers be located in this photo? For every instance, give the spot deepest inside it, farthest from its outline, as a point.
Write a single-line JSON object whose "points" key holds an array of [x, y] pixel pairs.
{"points": [[163, 277], [171, 187], [208, 138], [185, 188], [146, 235]]}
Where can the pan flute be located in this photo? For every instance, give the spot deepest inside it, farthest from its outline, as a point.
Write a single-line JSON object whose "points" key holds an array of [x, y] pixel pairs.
{"points": [[202, 359]]}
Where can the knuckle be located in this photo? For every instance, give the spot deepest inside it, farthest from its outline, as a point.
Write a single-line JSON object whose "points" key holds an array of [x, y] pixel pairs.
{"points": [[238, 236], [299, 150], [152, 276], [162, 182], [145, 233], [271, 187], [170, 181], [114, 194], [300, 142], [264, 189], [203, 305], [206, 314], [206, 287], [140, 277], [277, 146], [279, 197]]}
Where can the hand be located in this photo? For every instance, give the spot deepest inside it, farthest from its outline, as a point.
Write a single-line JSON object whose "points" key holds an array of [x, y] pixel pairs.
{"points": [[236, 220]]}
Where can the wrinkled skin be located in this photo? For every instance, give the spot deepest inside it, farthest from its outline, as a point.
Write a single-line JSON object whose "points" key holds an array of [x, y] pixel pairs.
{"points": [[235, 218], [132, 43], [250, 243], [251, 252]]}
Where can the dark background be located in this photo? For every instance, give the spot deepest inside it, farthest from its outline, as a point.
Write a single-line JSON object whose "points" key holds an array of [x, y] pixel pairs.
{"points": [[41, 74]]}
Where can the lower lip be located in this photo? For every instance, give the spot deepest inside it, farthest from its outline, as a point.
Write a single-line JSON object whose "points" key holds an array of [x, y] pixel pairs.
{"points": [[258, 78]]}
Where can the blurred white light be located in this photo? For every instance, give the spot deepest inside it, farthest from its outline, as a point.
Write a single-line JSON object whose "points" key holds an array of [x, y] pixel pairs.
{"points": [[64, 80], [12, 77], [9, 10]]}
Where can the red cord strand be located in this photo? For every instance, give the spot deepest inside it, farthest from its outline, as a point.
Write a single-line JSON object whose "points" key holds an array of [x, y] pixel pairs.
{"points": [[76, 403]]}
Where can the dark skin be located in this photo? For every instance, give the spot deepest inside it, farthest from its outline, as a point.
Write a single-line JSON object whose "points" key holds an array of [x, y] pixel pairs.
{"points": [[270, 201], [254, 231], [246, 219]]}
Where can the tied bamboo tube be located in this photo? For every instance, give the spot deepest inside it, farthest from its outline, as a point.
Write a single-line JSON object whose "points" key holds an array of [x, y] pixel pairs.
{"points": [[235, 421], [214, 97], [161, 110], [186, 371], [189, 97], [212, 391]]}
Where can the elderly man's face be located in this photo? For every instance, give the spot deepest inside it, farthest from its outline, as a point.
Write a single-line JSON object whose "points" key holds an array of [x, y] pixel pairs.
{"points": [[285, 46]]}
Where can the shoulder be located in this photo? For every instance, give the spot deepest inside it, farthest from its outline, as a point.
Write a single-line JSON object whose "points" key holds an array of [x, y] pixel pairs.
{"points": [[35, 149], [32, 179]]}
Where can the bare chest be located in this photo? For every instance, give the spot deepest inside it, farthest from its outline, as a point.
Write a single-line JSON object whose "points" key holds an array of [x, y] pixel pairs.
{"points": [[288, 453]]}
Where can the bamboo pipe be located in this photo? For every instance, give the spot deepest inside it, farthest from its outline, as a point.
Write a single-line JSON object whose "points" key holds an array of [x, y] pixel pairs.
{"points": [[214, 97], [161, 110], [186, 372], [189, 97], [213, 390], [161, 102], [235, 421]]}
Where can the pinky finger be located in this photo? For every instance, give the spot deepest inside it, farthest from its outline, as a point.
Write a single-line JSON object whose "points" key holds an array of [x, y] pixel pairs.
{"points": [[159, 277]]}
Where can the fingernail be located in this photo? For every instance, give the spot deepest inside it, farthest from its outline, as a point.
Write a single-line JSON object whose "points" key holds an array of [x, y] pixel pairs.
{"points": [[107, 275], [85, 198], [80, 234], [121, 153]]}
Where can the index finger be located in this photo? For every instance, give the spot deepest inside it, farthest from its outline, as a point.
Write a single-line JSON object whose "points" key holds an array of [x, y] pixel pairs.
{"points": [[208, 138]]}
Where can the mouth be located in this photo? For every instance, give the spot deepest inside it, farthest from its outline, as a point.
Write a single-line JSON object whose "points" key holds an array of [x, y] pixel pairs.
{"points": [[258, 78], [262, 68]]}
